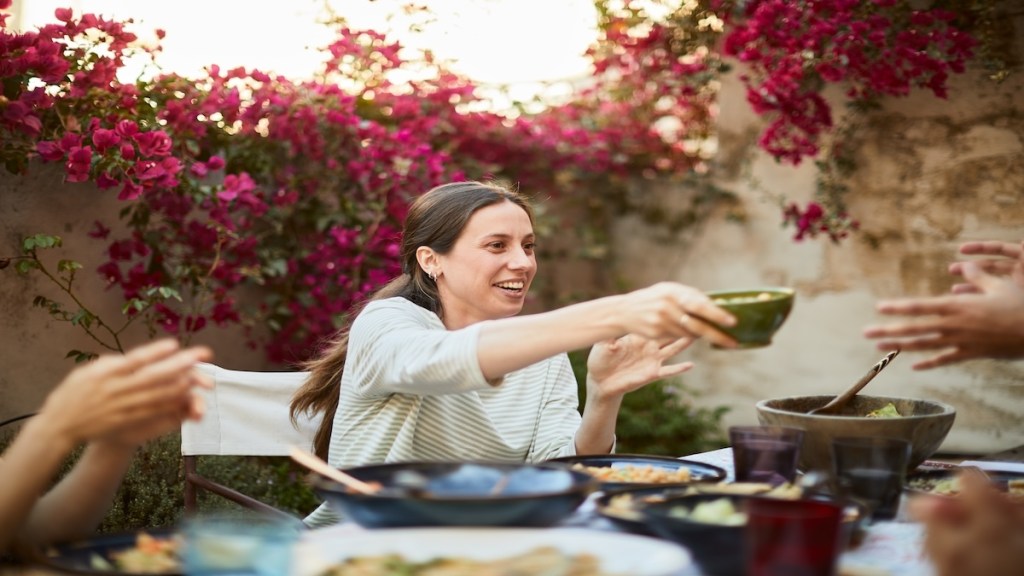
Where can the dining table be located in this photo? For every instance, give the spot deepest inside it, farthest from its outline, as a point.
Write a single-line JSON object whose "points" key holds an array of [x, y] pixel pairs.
{"points": [[893, 548]]}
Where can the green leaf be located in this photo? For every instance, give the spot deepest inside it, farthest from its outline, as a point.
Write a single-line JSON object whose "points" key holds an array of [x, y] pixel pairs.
{"points": [[83, 317], [25, 266], [40, 241], [134, 304], [167, 292], [80, 356], [68, 266]]}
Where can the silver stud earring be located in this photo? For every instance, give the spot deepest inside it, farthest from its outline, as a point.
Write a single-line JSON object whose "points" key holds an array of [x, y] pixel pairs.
{"points": [[433, 276]]}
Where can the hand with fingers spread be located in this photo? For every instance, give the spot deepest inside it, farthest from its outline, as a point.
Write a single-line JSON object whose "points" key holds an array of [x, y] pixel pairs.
{"points": [[985, 322], [616, 367], [112, 405], [1003, 259], [980, 533]]}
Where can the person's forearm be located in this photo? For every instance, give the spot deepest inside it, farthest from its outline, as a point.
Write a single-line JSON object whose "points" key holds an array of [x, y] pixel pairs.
{"points": [[596, 434], [79, 502], [26, 469], [513, 343]]}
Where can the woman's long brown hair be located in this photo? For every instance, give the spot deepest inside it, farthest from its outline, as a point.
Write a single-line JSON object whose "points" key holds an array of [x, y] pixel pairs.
{"points": [[435, 219]]}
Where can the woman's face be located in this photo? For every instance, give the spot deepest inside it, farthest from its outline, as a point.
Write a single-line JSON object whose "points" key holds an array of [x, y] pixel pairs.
{"points": [[488, 271]]}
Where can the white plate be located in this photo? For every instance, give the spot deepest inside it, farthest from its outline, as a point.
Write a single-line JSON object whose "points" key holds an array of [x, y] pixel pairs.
{"points": [[618, 553]]}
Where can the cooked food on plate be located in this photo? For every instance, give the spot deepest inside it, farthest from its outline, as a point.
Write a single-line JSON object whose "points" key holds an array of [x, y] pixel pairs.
{"points": [[150, 555], [646, 474], [544, 560]]}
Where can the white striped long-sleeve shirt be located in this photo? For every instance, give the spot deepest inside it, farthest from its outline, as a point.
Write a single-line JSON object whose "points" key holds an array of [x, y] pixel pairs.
{"points": [[413, 390]]}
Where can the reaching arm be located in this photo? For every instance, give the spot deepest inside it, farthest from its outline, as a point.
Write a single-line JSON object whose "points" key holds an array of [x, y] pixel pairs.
{"points": [[114, 403], [661, 312]]}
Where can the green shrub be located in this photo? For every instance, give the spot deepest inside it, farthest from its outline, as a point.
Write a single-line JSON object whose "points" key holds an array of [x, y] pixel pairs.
{"points": [[658, 419]]}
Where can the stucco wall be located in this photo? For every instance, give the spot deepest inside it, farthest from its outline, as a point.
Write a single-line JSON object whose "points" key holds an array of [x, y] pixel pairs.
{"points": [[930, 174], [32, 345]]}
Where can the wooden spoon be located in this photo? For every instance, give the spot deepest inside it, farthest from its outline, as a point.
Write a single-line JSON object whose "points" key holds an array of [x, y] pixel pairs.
{"points": [[316, 464], [837, 403]]}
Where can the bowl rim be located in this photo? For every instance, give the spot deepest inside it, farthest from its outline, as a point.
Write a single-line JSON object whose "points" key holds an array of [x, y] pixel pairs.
{"points": [[583, 484], [786, 290], [947, 409]]}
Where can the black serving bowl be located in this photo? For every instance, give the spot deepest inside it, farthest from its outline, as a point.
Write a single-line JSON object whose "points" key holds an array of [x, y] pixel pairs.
{"points": [[460, 494], [623, 507], [718, 549]]}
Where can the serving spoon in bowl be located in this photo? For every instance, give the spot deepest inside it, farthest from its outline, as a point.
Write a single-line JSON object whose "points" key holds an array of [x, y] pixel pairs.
{"points": [[837, 403]]}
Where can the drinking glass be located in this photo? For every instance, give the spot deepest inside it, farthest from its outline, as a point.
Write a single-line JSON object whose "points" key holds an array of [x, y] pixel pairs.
{"points": [[222, 545], [792, 537], [873, 471], [765, 453]]}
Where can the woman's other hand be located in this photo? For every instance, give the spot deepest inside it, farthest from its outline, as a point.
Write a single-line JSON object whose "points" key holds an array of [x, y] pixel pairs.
{"points": [[616, 367]]}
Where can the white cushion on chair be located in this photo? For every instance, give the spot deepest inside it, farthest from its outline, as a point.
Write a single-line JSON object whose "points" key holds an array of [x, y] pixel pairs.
{"points": [[247, 414]]}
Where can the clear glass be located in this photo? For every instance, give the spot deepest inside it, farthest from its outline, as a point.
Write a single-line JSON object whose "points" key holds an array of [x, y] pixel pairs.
{"points": [[872, 471], [239, 544], [765, 453]]}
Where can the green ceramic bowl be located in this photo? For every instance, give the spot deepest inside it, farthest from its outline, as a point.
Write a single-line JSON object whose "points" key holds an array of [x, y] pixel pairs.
{"points": [[759, 313]]}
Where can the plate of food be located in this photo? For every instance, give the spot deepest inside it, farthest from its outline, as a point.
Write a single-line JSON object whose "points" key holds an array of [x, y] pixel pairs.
{"points": [[945, 482], [149, 552], [340, 551], [619, 471]]}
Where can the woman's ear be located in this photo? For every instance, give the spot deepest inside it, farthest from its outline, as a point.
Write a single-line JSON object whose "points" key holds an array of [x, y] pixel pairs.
{"points": [[427, 259]]}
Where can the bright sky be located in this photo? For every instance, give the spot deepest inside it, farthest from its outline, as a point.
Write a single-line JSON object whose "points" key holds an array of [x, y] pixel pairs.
{"points": [[519, 42]]}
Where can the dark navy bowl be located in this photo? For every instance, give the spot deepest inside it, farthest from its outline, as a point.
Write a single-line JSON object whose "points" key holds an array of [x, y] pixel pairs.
{"points": [[717, 549], [460, 494]]}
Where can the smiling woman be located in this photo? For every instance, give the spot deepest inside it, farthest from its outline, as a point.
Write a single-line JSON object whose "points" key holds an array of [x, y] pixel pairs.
{"points": [[444, 370]]}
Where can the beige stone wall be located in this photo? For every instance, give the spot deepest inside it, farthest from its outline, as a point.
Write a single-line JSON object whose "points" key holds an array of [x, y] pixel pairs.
{"points": [[32, 345], [931, 174]]}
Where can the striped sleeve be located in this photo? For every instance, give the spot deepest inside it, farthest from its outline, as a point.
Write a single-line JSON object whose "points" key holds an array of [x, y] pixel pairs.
{"points": [[397, 347]]}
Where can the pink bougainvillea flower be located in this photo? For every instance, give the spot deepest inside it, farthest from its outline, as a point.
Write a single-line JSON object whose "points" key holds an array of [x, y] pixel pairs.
{"points": [[127, 151], [234, 185], [154, 144], [70, 141], [130, 191], [103, 139], [63, 14], [215, 163], [105, 181], [49, 151], [78, 164], [99, 231], [126, 128]]}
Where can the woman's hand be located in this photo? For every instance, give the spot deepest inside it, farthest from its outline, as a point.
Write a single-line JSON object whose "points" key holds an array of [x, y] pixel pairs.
{"points": [[669, 310], [616, 367], [127, 398]]}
